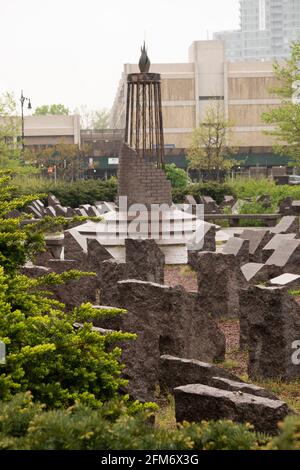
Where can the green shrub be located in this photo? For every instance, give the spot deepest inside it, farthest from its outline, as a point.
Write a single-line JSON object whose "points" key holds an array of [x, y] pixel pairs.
{"points": [[71, 194], [289, 437], [45, 354], [213, 189], [178, 177], [26, 425]]}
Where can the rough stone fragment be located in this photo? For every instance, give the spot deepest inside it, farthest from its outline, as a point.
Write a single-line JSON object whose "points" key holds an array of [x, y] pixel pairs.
{"points": [[287, 256], [238, 386], [269, 328], [199, 402], [288, 224], [144, 260], [175, 372], [219, 281], [258, 239], [52, 200], [167, 321], [239, 248]]}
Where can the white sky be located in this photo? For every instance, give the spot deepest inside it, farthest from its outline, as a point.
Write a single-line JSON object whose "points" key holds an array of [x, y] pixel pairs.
{"points": [[73, 51]]}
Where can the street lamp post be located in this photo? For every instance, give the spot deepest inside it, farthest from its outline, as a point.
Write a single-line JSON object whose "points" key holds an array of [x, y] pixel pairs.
{"points": [[22, 100]]}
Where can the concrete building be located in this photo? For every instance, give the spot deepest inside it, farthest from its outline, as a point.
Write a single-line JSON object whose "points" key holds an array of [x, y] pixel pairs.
{"points": [[243, 88], [267, 28], [50, 130]]}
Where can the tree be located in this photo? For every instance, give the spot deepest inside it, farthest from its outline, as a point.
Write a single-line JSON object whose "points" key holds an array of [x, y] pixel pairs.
{"points": [[93, 119], [101, 119], [211, 143], [10, 130], [52, 109], [286, 117], [67, 159]]}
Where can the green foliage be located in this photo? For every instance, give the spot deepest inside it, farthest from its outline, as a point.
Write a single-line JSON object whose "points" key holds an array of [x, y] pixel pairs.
{"points": [[289, 437], [45, 354], [251, 188], [211, 146], [52, 109], [286, 117], [178, 177], [213, 189], [26, 425], [71, 194]]}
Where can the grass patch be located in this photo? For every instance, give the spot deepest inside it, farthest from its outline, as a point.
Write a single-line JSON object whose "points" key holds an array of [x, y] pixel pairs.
{"points": [[165, 416]]}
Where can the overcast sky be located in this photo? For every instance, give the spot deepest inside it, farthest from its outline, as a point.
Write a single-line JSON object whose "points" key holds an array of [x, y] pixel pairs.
{"points": [[73, 51]]}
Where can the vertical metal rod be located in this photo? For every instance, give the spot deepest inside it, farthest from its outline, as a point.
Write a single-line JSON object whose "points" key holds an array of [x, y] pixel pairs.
{"points": [[144, 116], [157, 140], [131, 114], [137, 136], [161, 129], [127, 114], [150, 120]]}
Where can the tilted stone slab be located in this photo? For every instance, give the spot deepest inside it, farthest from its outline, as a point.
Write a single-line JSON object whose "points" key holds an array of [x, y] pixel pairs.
{"points": [[239, 248], [52, 200], [274, 244], [287, 256], [256, 273], [176, 371], [269, 328], [288, 224], [290, 281], [196, 403], [257, 241], [235, 386]]}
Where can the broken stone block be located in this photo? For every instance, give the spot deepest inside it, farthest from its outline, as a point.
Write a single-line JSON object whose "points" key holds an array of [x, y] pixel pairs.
{"points": [[228, 201], [264, 200], [175, 372], [74, 246], [210, 205], [238, 386], [31, 209], [288, 224], [269, 328], [258, 240], [166, 320], [53, 201], [61, 211], [274, 243], [207, 243], [256, 273], [199, 402], [219, 281], [239, 248], [144, 260], [50, 211], [96, 254], [112, 271], [286, 256]]}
